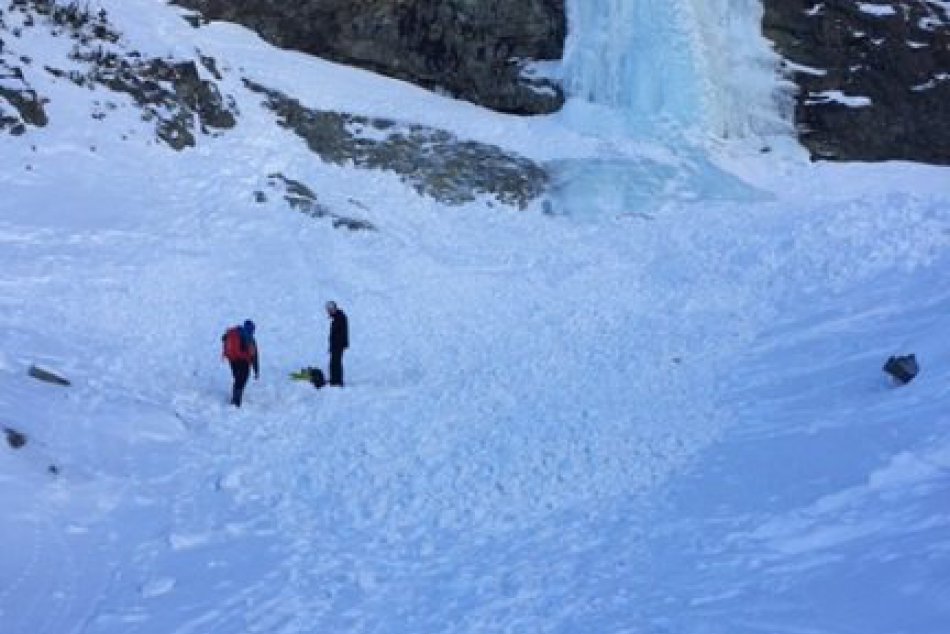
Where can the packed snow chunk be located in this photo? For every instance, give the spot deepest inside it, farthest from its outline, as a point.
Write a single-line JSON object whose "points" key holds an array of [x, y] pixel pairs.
{"points": [[836, 96], [181, 541], [930, 23], [880, 10], [157, 587], [801, 68], [931, 84], [909, 469]]}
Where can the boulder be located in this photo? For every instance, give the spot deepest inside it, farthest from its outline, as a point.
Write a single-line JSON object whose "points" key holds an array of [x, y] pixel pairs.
{"points": [[47, 376], [15, 439], [902, 369]]}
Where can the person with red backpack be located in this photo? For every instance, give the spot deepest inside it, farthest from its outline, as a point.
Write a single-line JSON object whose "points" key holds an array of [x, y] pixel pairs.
{"points": [[240, 349]]}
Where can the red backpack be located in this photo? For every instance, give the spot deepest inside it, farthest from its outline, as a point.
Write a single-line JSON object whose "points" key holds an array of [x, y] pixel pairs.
{"points": [[234, 349]]}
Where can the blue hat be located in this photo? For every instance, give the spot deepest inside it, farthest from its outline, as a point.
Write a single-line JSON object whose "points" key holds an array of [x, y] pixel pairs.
{"points": [[249, 327]]}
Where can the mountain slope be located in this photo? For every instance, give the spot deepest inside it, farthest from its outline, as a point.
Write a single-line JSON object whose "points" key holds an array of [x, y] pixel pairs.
{"points": [[608, 422]]}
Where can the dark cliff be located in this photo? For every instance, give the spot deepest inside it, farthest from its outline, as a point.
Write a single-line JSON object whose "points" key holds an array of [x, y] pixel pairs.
{"points": [[472, 49], [874, 77]]}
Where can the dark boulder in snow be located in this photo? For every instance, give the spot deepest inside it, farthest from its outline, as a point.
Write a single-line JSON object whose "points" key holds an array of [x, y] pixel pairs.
{"points": [[15, 439], [903, 369], [47, 376]]}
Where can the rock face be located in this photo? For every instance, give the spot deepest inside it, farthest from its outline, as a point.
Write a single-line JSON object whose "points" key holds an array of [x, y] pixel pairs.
{"points": [[473, 49], [433, 162], [20, 105], [170, 93], [874, 76], [302, 198]]}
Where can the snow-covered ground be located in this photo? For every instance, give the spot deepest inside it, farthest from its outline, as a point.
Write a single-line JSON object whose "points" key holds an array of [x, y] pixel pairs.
{"points": [[658, 414]]}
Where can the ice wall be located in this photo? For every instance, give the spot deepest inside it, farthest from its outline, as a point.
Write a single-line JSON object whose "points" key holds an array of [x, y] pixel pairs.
{"points": [[663, 65]]}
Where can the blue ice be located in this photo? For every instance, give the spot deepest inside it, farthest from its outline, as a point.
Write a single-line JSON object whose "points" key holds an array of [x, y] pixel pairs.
{"points": [[643, 74]]}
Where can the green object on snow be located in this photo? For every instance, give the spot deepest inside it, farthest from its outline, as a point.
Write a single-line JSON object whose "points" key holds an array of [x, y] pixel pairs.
{"points": [[311, 375]]}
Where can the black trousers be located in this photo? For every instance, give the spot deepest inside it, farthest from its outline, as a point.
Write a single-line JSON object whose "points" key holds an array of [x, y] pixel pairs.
{"points": [[336, 368], [241, 370]]}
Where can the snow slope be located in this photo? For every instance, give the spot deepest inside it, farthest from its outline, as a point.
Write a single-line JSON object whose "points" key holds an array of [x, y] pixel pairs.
{"points": [[629, 416]]}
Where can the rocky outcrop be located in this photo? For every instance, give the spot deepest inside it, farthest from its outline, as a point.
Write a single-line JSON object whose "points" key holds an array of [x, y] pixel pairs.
{"points": [[171, 93], [20, 105], [433, 162], [874, 76], [474, 50], [302, 198]]}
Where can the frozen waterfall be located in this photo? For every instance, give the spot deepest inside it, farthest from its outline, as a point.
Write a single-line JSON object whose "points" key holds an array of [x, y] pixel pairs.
{"points": [[659, 83], [688, 65]]}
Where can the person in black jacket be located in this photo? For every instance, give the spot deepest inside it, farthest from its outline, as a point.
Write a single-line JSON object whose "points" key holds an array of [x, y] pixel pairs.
{"points": [[339, 341]]}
